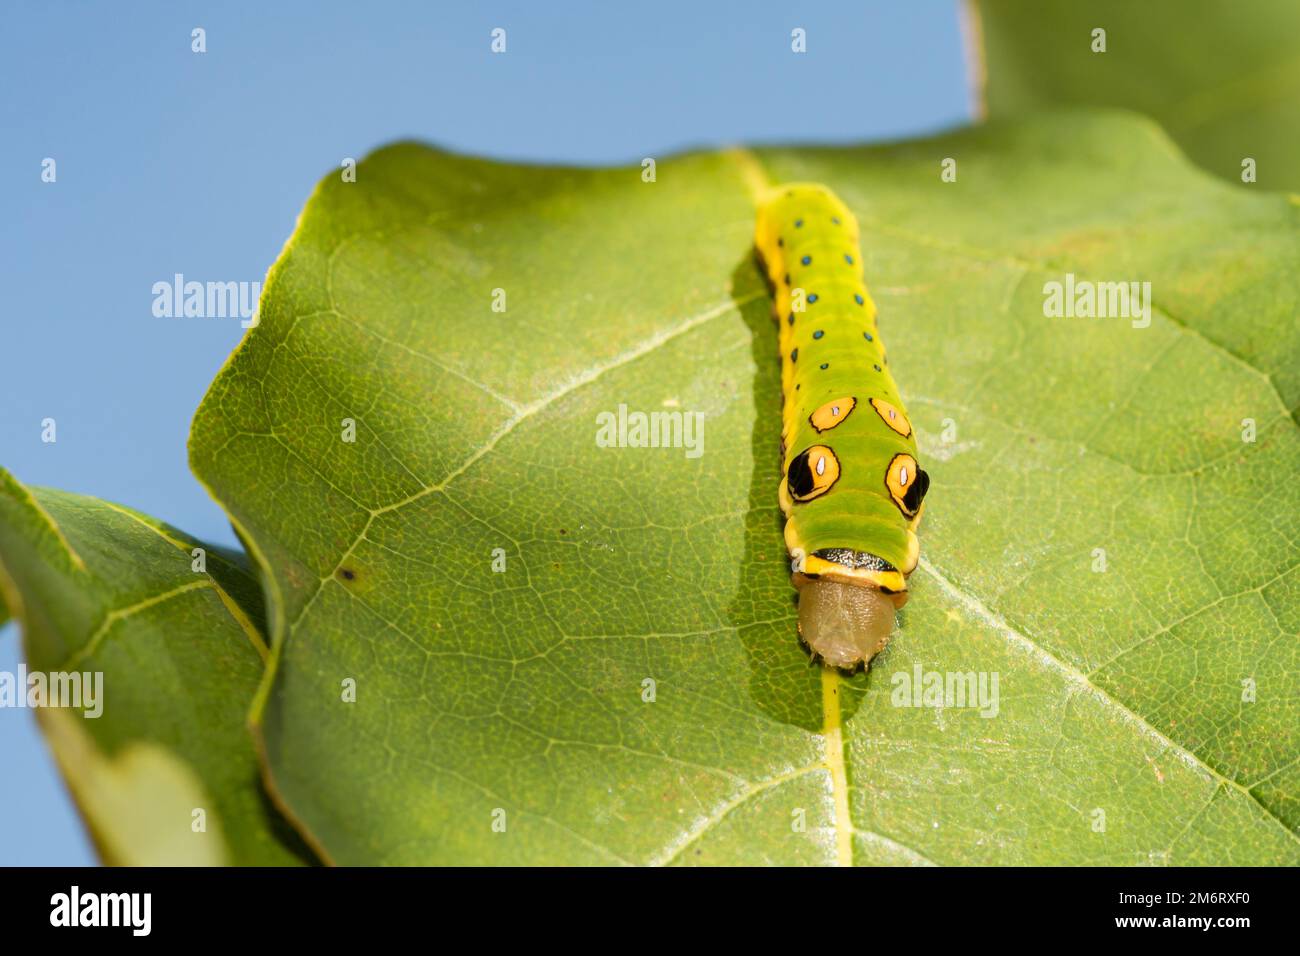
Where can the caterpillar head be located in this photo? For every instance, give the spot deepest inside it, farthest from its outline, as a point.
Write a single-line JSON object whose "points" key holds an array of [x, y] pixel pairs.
{"points": [[845, 624]]}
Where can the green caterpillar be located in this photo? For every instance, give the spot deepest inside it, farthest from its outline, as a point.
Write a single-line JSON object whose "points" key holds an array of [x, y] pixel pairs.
{"points": [[851, 489]]}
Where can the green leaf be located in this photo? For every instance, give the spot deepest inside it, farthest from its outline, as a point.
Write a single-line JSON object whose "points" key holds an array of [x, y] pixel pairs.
{"points": [[1222, 78], [125, 798], [520, 696], [99, 588]]}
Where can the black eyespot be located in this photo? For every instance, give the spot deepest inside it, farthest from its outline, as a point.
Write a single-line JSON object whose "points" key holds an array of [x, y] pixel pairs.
{"points": [[916, 493], [800, 476], [812, 473]]}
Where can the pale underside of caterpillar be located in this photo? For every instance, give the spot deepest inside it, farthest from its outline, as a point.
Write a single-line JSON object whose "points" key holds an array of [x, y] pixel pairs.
{"points": [[851, 489]]}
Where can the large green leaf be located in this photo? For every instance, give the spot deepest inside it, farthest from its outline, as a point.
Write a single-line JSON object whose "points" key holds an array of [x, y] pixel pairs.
{"points": [[100, 588], [1222, 78], [522, 693]]}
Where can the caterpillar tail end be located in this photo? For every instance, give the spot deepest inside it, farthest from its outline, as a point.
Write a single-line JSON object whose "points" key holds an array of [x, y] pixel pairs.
{"points": [[844, 624]]}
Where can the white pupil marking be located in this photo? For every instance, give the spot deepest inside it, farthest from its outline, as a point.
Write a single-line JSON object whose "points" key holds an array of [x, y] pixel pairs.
{"points": [[891, 414], [835, 409], [821, 465], [902, 475]]}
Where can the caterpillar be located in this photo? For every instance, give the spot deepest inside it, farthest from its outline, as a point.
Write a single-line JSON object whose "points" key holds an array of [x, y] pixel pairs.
{"points": [[851, 489]]}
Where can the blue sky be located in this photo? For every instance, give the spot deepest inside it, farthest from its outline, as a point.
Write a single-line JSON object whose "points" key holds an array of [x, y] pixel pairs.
{"points": [[170, 161]]}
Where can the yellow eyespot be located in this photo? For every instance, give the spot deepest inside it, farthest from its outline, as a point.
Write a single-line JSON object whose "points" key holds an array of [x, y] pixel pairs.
{"points": [[907, 483], [892, 417], [812, 472], [832, 413]]}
